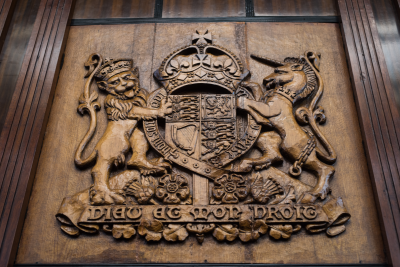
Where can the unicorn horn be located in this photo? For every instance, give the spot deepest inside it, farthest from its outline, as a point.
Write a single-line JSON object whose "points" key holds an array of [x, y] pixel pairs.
{"points": [[268, 61]]}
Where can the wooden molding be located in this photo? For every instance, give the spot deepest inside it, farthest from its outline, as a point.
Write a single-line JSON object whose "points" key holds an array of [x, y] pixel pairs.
{"points": [[6, 12], [379, 117], [114, 21], [21, 138]]}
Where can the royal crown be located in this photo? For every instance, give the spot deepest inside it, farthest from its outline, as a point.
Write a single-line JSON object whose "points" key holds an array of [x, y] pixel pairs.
{"points": [[112, 67]]}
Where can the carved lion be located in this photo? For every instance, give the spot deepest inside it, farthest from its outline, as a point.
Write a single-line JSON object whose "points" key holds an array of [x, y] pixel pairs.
{"points": [[125, 107]]}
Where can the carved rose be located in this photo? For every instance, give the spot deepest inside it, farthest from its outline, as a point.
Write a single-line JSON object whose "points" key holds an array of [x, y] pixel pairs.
{"points": [[175, 232], [226, 231], [251, 230], [152, 229], [172, 189], [229, 189]]}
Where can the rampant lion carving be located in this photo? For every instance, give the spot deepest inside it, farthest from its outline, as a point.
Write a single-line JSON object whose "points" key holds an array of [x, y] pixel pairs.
{"points": [[125, 106]]}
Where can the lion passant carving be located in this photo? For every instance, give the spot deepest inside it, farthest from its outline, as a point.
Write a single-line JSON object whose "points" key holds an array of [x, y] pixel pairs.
{"points": [[206, 122]]}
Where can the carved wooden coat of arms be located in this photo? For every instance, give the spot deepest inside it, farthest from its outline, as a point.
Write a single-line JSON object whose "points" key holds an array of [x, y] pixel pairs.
{"points": [[220, 141]]}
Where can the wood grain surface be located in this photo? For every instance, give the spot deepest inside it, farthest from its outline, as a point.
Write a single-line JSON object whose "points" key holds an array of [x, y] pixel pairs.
{"points": [[94, 9], [388, 25], [295, 8], [42, 240], [379, 116], [23, 130], [13, 52], [6, 12], [203, 8]]}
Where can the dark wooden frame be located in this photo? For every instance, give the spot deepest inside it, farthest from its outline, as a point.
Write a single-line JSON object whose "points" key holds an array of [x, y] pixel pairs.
{"points": [[6, 12], [379, 116], [22, 135]]}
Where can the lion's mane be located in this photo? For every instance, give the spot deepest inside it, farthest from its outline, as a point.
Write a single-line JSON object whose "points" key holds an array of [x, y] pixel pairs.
{"points": [[118, 106]]}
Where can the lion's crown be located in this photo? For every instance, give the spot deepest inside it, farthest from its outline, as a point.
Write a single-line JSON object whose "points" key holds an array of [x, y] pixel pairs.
{"points": [[112, 67]]}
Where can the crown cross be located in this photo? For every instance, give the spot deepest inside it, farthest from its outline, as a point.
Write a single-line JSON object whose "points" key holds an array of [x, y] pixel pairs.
{"points": [[202, 58], [199, 38]]}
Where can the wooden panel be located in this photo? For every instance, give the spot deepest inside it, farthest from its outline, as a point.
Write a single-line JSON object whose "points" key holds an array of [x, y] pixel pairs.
{"points": [[6, 13], [95, 9], [20, 140], [12, 55], [295, 8], [42, 240], [378, 114], [203, 8], [389, 34]]}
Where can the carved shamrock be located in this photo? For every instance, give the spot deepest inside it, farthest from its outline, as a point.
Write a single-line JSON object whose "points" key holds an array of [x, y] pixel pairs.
{"points": [[172, 189], [123, 230], [175, 232], [251, 230], [152, 229], [225, 231], [229, 189], [281, 231]]}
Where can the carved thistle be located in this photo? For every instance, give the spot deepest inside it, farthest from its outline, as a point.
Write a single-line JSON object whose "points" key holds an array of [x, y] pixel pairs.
{"points": [[205, 122]]}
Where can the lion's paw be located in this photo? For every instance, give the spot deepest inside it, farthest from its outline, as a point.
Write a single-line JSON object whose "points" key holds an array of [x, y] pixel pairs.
{"points": [[244, 166], [152, 170], [153, 167], [161, 163], [102, 195], [311, 196]]}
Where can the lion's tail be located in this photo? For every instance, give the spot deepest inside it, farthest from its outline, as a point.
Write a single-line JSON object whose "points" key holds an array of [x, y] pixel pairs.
{"points": [[86, 139], [88, 103]]}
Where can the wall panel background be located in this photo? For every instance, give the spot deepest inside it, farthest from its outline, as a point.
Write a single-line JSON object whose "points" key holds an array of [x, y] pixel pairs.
{"points": [[44, 242]]}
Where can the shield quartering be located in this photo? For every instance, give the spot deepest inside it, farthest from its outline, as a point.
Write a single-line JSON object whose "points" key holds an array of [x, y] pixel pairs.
{"points": [[202, 126]]}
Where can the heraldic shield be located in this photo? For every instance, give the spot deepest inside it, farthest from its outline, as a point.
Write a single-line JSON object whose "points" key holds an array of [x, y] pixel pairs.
{"points": [[204, 133], [202, 126]]}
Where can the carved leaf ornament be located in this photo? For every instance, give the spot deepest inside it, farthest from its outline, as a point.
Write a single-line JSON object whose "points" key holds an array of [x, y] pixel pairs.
{"points": [[251, 230], [197, 135], [151, 229]]}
